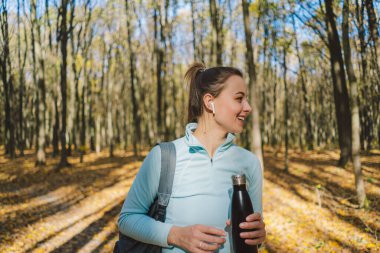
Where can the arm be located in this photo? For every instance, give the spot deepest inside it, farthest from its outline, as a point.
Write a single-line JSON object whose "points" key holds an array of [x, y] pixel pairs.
{"points": [[255, 221], [255, 186], [133, 220]]}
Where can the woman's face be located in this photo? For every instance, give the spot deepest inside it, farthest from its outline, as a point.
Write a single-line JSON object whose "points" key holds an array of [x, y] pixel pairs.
{"points": [[231, 106]]}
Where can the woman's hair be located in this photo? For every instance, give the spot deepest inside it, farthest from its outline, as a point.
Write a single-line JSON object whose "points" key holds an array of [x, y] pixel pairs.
{"points": [[204, 80]]}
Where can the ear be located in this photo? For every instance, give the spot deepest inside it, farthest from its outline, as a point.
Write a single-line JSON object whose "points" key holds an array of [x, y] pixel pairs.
{"points": [[207, 99]]}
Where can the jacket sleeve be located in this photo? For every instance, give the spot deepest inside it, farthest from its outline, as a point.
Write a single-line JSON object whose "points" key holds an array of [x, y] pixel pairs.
{"points": [[255, 186], [133, 220]]}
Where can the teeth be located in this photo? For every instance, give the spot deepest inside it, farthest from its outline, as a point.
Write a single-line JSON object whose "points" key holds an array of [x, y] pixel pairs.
{"points": [[241, 118]]}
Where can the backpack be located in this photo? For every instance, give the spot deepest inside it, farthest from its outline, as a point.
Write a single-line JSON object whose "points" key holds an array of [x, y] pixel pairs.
{"points": [[157, 210]]}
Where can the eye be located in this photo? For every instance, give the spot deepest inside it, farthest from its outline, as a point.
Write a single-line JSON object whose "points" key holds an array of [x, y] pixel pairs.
{"points": [[239, 99]]}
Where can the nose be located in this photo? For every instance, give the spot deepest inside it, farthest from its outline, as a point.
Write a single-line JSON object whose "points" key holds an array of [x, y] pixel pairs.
{"points": [[247, 108]]}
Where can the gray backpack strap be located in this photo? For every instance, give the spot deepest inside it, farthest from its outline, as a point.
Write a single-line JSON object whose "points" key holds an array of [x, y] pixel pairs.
{"points": [[168, 163]]}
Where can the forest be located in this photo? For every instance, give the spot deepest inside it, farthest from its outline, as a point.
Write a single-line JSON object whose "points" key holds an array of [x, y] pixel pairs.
{"points": [[89, 86]]}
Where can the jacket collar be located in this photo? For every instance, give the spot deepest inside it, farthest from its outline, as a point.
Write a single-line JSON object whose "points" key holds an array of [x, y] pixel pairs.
{"points": [[193, 142]]}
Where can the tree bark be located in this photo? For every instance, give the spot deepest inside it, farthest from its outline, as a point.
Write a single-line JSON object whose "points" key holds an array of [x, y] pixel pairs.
{"points": [[256, 134], [341, 99], [159, 54], [63, 66], [132, 70], [359, 182], [217, 34], [286, 108], [21, 139], [39, 81], [306, 110], [6, 68]]}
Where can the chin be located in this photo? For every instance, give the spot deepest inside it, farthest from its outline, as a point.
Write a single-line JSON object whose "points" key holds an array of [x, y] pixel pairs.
{"points": [[237, 130]]}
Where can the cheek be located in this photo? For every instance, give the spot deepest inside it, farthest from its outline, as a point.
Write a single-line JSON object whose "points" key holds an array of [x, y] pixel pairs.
{"points": [[231, 110]]}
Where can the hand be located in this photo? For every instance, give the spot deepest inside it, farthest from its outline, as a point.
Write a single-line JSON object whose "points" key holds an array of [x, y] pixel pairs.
{"points": [[253, 221], [197, 238]]}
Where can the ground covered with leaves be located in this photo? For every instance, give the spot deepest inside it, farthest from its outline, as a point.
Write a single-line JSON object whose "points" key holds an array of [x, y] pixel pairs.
{"points": [[309, 208]]}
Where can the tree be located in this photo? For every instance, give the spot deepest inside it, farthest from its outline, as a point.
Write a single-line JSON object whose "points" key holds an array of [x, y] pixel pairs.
{"points": [[256, 134], [217, 19], [132, 70], [359, 183], [63, 37], [7, 78], [301, 75], [341, 99], [21, 64], [39, 81]]}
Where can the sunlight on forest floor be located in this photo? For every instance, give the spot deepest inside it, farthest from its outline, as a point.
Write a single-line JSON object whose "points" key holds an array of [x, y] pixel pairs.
{"points": [[76, 209]]}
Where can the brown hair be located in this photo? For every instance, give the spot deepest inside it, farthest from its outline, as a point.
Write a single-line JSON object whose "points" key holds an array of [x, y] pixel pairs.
{"points": [[204, 80]]}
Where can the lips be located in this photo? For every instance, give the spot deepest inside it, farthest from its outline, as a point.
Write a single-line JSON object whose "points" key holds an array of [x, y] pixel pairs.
{"points": [[242, 118]]}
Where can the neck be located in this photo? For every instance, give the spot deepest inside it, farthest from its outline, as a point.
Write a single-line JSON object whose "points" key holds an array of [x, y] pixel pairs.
{"points": [[209, 135]]}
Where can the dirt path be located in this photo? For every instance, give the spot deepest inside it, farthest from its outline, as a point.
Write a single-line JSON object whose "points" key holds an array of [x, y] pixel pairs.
{"points": [[76, 209]]}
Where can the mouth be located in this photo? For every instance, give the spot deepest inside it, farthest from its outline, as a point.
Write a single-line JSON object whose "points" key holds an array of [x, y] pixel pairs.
{"points": [[241, 118]]}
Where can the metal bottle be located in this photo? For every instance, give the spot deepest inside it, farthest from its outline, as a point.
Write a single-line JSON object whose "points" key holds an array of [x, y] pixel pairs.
{"points": [[241, 207]]}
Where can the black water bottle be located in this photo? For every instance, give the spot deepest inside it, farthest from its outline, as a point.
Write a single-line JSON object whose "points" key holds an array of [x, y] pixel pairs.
{"points": [[241, 207]]}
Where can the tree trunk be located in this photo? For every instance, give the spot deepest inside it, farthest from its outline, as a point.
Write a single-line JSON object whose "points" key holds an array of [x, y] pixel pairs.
{"points": [[306, 110], [341, 99], [359, 182], [39, 81], [21, 139], [286, 109], [195, 51], [63, 67], [7, 81], [256, 134], [132, 68], [56, 128], [159, 62], [217, 34]]}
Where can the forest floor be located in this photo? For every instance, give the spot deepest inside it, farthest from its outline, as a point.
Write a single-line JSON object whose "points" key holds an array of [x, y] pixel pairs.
{"points": [[310, 208]]}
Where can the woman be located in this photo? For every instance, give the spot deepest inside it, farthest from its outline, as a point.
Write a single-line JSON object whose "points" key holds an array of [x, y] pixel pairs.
{"points": [[198, 211]]}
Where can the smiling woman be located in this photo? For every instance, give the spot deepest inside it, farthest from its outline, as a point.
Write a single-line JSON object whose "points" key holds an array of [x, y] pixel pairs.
{"points": [[197, 216]]}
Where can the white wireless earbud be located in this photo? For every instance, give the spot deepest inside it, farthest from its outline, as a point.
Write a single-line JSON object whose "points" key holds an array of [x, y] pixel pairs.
{"points": [[212, 107]]}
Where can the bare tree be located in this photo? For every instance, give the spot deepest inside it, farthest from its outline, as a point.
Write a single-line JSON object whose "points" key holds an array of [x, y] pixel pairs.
{"points": [[256, 134], [359, 183], [63, 38], [7, 78], [341, 99], [217, 19]]}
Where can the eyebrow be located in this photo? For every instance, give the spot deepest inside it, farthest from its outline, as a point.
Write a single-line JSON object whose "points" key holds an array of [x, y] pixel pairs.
{"points": [[240, 92]]}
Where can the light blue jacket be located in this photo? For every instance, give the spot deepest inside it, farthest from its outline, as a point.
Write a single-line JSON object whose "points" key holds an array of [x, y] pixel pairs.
{"points": [[201, 194]]}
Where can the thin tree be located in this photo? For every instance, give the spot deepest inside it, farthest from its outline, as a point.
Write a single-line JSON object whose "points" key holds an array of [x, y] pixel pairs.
{"points": [[39, 81], [359, 183], [5, 69], [21, 65], [306, 110], [63, 37], [217, 19], [341, 99], [250, 61], [132, 74]]}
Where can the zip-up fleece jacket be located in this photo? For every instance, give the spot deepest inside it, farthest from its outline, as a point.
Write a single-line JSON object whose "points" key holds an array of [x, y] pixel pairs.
{"points": [[201, 193]]}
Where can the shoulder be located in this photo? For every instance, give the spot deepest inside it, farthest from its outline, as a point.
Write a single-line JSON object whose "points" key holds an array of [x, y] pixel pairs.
{"points": [[247, 160], [245, 155]]}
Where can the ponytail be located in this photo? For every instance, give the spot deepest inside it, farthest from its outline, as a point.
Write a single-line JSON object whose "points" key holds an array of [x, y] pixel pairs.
{"points": [[202, 81], [195, 97]]}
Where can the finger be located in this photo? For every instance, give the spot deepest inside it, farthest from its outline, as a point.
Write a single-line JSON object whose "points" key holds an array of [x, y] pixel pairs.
{"points": [[212, 239], [228, 222], [212, 230], [208, 247], [256, 241], [254, 216], [252, 225], [253, 234]]}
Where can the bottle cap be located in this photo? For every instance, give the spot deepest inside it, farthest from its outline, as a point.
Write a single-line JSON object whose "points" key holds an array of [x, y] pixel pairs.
{"points": [[238, 179]]}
